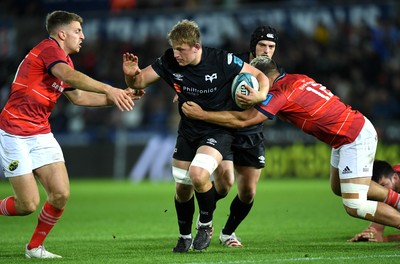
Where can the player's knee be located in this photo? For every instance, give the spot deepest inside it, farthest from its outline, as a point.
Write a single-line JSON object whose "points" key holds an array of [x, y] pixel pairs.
{"points": [[223, 186], [201, 167], [181, 176], [361, 208], [247, 196], [183, 192], [27, 207], [224, 179], [356, 202], [198, 175], [59, 199], [223, 190]]}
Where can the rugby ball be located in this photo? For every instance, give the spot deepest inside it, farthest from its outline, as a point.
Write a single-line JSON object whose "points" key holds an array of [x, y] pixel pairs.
{"points": [[238, 86]]}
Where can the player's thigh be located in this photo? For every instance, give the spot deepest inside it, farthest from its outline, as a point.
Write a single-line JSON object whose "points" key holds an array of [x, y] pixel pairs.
{"points": [[356, 159], [26, 191], [54, 178], [335, 181]]}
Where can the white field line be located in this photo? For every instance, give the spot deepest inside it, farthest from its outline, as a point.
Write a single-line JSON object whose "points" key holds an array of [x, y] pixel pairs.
{"points": [[378, 257]]}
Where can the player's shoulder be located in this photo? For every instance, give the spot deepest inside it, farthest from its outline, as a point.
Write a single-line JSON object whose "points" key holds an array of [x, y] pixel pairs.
{"points": [[48, 47], [294, 78], [209, 52], [244, 56], [48, 43]]}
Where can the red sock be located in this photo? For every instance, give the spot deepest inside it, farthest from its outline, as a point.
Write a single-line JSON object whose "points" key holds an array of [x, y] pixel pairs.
{"points": [[7, 206], [48, 217], [393, 199]]}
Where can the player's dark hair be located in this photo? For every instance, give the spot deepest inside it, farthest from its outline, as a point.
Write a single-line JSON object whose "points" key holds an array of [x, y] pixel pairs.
{"points": [[59, 18], [381, 169], [262, 33]]}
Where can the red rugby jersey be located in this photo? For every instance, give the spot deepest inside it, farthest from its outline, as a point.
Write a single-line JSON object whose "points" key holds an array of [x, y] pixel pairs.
{"points": [[313, 108], [34, 91]]}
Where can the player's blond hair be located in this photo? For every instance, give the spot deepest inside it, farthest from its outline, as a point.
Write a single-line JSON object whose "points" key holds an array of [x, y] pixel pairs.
{"points": [[184, 32], [59, 18], [265, 64]]}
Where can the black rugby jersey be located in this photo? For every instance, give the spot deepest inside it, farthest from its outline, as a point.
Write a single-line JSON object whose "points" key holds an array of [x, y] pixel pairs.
{"points": [[208, 84]]}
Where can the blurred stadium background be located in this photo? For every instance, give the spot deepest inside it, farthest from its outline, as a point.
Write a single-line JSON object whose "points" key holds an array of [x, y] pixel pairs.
{"points": [[353, 47]]}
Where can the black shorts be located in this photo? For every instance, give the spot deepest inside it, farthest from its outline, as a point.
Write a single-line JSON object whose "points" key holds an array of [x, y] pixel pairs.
{"points": [[186, 149], [248, 150]]}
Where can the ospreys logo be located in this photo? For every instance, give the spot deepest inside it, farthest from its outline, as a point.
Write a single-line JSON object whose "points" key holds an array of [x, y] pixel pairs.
{"points": [[13, 165], [211, 77]]}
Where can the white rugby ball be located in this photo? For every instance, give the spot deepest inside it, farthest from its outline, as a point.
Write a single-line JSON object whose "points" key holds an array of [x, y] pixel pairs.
{"points": [[238, 86]]}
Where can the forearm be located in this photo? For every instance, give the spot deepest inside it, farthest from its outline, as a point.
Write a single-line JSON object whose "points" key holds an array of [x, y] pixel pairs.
{"points": [[84, 98], [231, 119], [130, 81], [81, 81], [142, 79]]}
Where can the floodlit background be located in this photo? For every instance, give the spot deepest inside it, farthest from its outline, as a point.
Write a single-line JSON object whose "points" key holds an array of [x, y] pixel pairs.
{"points": [[353, 47]]}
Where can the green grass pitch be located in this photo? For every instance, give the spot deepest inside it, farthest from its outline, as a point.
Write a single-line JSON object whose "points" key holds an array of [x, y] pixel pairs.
{"points": [[105, 221]]}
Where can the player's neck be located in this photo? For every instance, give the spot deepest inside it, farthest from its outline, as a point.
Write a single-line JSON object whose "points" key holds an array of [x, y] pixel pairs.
{"points": [[272, 78], [197, 60]]}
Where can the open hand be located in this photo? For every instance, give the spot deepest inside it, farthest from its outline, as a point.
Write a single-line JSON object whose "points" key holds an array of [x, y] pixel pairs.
{"points": [[368, 235], [130, 64], [121, 98]]}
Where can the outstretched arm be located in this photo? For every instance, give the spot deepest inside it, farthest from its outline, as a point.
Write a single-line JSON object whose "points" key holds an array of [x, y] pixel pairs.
{"points": [[84, 98], [82, 82], [134, 76], [232, 119]]}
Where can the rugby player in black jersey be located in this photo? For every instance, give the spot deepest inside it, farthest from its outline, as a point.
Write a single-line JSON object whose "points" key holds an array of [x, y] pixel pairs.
{"points": [[203, 75], [247, 148]]}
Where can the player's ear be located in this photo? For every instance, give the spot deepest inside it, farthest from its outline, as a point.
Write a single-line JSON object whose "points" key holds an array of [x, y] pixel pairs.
{"points": [[62, 35], [395, 177], [197, 46]]}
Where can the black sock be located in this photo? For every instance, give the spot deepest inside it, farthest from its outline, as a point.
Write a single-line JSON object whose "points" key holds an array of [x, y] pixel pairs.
{"points": [[238, 212], [217, 195], [206, 202], [185, 212]]}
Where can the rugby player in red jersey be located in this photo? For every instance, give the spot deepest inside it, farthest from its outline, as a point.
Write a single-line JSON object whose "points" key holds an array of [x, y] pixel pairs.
{"points": [[29, 150], [311, 107]]}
